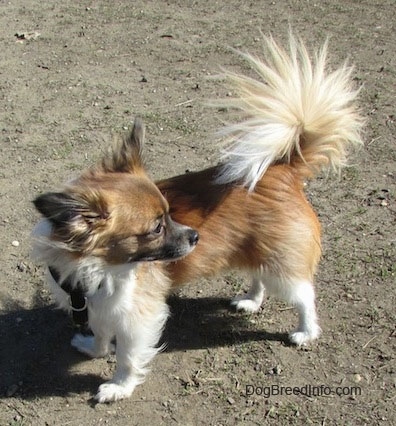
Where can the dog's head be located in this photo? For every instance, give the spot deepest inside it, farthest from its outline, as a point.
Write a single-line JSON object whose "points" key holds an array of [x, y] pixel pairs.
{"points": [[115, 212]]}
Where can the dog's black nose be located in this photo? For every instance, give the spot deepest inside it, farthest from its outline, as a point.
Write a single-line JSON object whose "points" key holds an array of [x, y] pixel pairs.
{"points": [[193, 237]]}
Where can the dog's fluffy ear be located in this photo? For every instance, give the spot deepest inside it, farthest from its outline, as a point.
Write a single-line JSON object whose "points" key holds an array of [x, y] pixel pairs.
{"points": [[60, 208], [73, 217], [126, 154]]}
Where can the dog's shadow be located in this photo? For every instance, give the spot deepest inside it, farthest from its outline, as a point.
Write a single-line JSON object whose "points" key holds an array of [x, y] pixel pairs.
{"points": [[36, 356], [209, 322]]}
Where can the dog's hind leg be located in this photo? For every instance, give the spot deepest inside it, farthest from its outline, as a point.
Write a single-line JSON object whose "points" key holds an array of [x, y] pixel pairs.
{"points": [[96, 346], [252, 300], [99, 345], [302, 296]]}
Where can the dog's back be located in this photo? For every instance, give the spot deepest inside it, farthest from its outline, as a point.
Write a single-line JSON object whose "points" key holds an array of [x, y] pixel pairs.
{"points": [[251, 211]]}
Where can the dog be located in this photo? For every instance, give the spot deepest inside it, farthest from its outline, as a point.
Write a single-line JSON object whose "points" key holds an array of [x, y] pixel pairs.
{"points": [[116, 243]]}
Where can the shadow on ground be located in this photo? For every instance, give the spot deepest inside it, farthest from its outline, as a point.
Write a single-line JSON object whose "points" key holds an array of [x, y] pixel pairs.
{"points": [[36, 356]]}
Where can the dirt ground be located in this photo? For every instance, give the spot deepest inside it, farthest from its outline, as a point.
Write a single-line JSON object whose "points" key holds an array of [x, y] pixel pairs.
{"points": [[72, 75]]}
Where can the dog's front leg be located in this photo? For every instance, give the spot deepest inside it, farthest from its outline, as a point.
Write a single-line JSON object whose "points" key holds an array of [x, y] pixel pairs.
{"points": [[135, 347], [130, 372]]}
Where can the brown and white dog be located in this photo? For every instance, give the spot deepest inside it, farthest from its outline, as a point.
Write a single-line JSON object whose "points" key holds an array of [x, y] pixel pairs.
{"points": [[109, 233]]}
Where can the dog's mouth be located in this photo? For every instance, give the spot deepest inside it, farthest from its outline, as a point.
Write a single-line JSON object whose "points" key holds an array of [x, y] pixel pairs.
{"points": [[170, 251], [156, 258]]}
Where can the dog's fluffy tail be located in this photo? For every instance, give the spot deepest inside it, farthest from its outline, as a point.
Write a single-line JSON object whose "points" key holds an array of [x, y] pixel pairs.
{"points": [[297, 113]]}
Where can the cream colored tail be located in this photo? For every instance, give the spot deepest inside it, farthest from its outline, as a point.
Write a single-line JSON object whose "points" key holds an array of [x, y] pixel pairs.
{"points": [[296, 113]]}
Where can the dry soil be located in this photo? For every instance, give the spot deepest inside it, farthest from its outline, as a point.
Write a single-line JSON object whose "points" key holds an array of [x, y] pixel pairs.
{"points": [[72, 75]]}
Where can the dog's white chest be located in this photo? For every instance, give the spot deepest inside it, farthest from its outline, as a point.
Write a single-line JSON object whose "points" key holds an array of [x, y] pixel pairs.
{"points": [[113, 302]]}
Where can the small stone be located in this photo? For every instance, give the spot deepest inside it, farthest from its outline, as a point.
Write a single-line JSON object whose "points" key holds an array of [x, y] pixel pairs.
{"points": [[15, 243], [231, 400], [21, 267], [357, 378], [277, 369]]}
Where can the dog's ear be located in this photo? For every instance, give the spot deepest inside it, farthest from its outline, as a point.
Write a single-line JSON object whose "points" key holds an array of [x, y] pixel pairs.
{"points": [[126, 154], [58, 207], [73, 217]]}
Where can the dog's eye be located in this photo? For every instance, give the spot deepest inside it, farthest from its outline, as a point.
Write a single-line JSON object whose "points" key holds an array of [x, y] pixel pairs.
{"points": [[159, 229]]}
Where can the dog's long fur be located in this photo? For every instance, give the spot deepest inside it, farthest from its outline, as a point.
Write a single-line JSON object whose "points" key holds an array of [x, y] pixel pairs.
{"points": [[250, 213], [106, 232]]}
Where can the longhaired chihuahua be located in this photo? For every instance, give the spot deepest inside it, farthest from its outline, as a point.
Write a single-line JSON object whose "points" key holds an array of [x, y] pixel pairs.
{"points": [[116, 243]]}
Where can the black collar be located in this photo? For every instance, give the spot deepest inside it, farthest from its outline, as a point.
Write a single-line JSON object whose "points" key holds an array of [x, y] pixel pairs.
{"points": [[78, 300]]}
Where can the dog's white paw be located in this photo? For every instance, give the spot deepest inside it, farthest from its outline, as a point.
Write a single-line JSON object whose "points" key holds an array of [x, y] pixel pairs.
{"points": [[86, 345], [303, 337], [109, 392], [244, 303]]}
